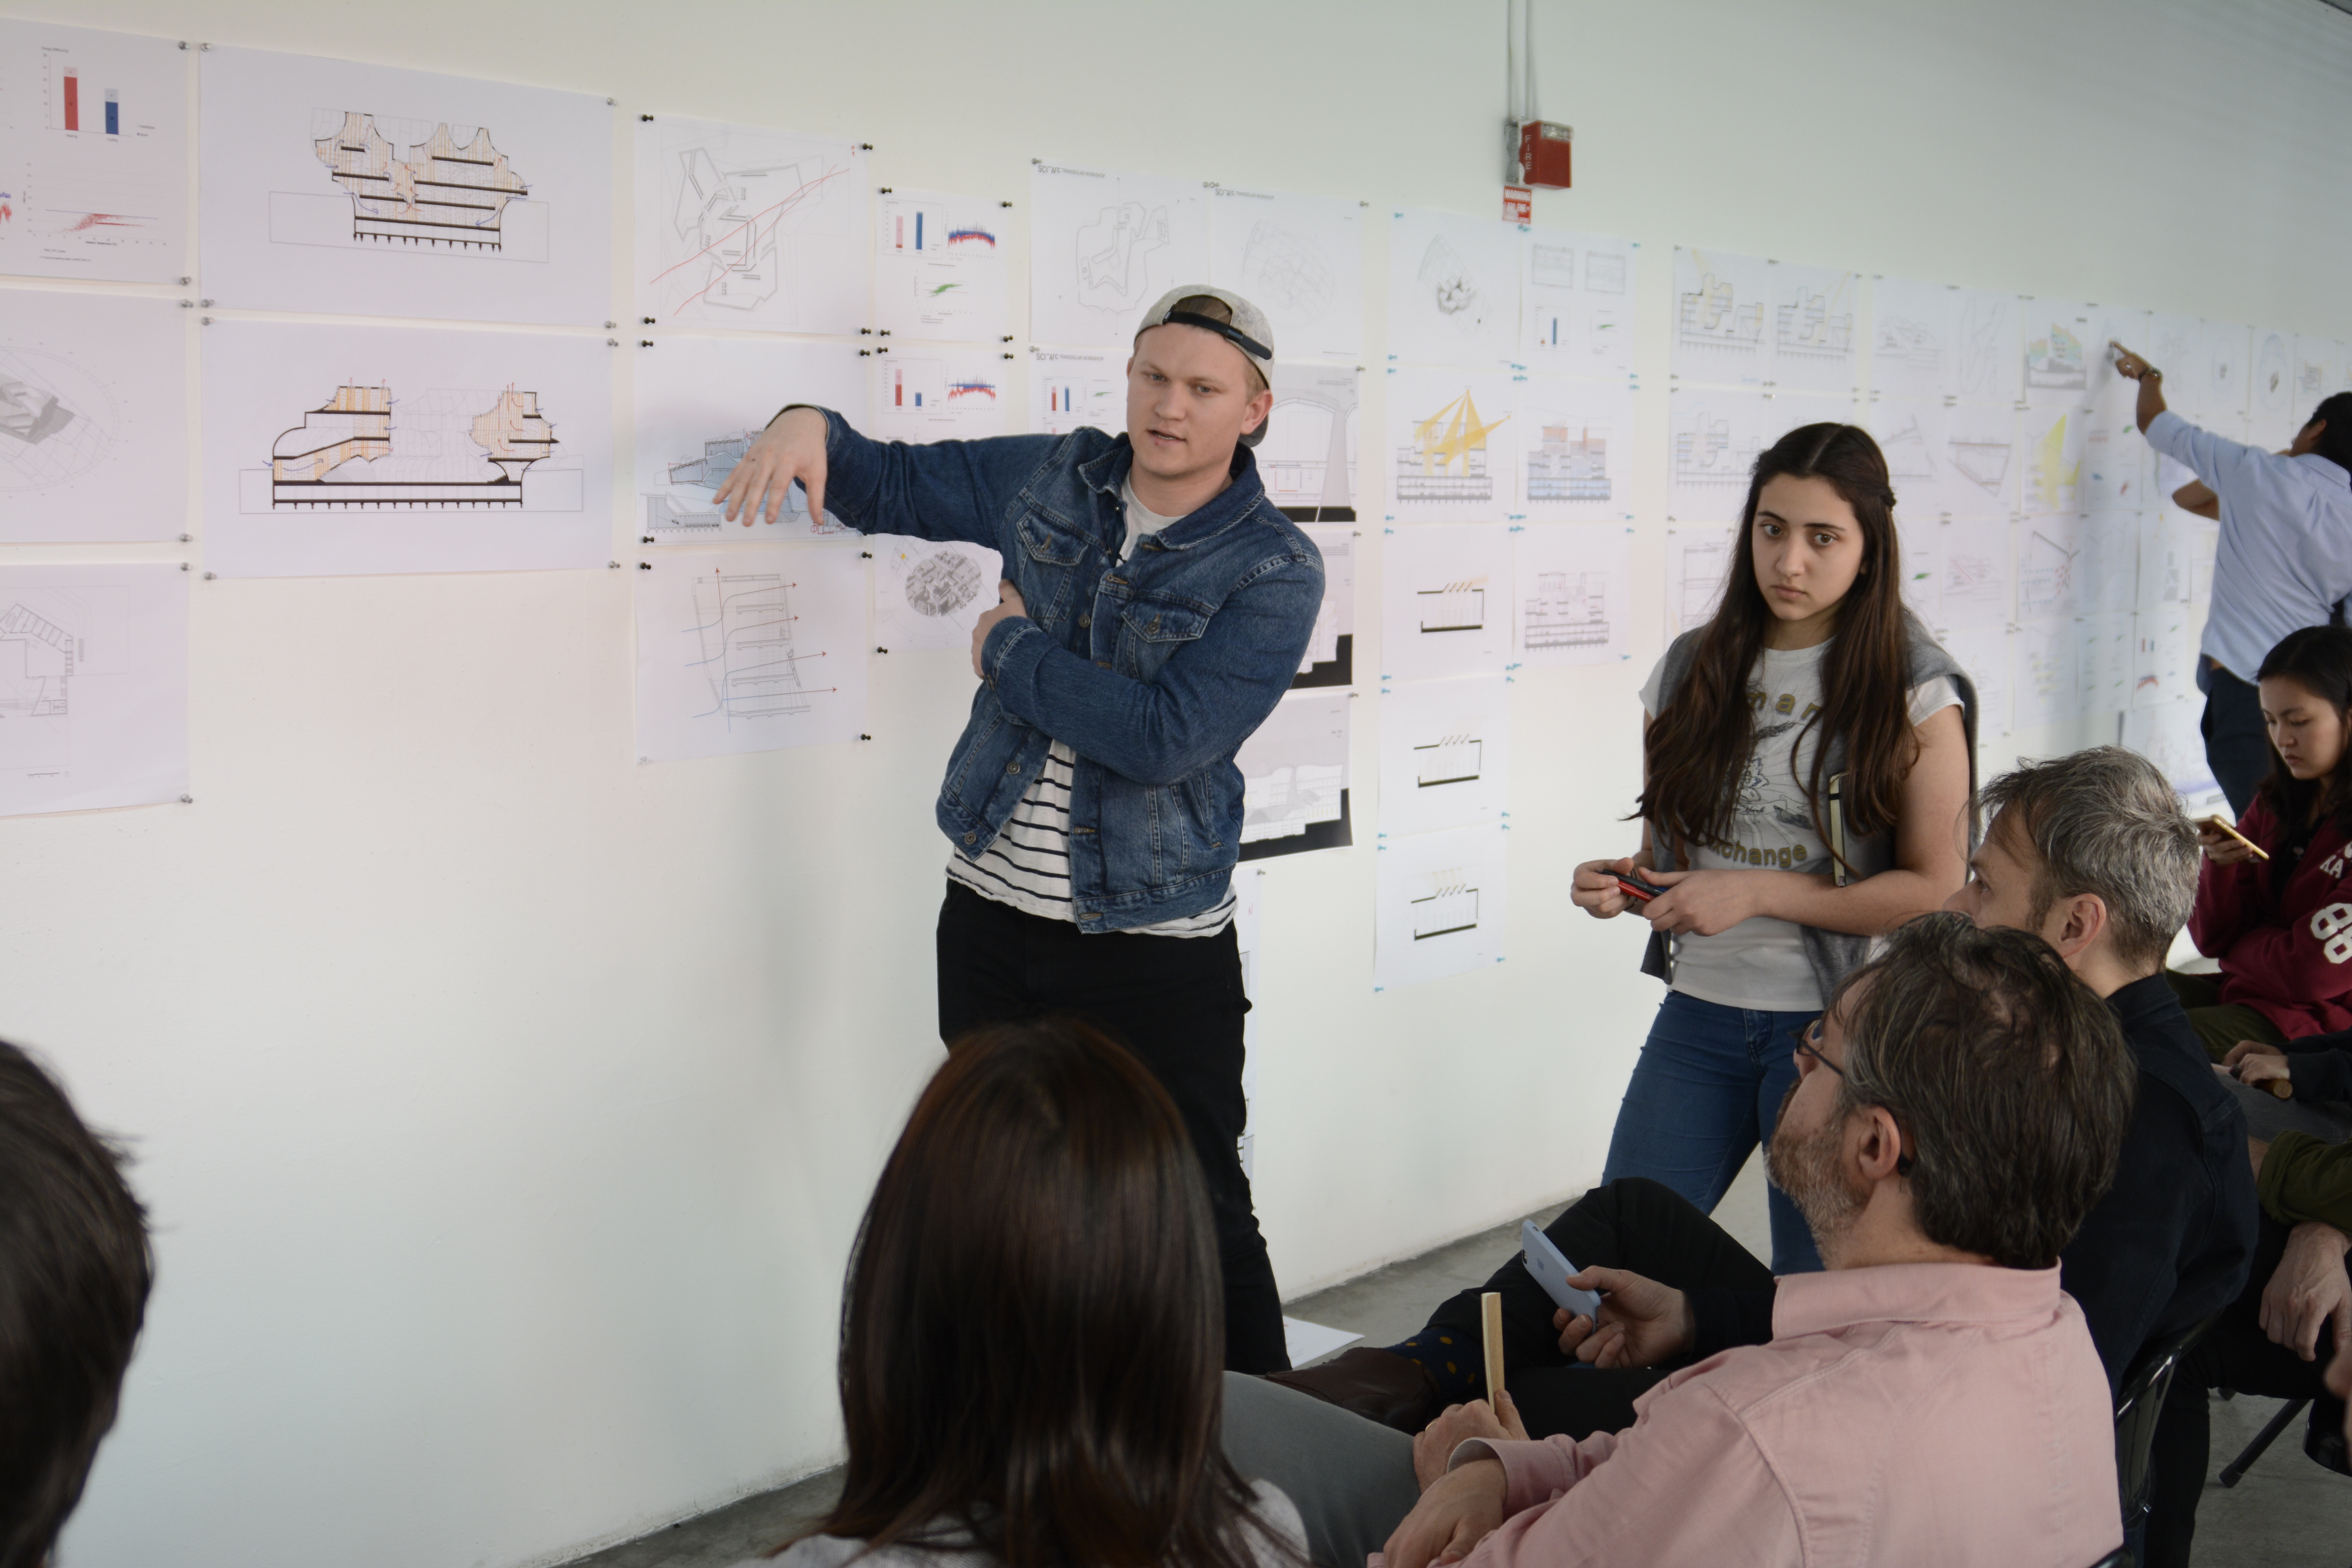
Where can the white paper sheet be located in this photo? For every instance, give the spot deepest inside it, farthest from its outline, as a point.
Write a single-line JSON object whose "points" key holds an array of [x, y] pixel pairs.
{"points": [[2163, 649], [939, 267], [1071, 390], [2174, 344], [333, 449], [1983, 652], [1973, 575], [2049, 566], [1722, 320], [2224, 370], [2049, 459], [1295, 765], [93, 687], [1920, 544], [1911, 434], [2048, 673], [1985, 363], [1104, 246], [1573, 588], [320, 179], [1308, 1342], [1439, 905], [93, 416], [1300, 259], [930, 595], [1454, 290], [1911, 340], [2117, 466], [2319, 369], [2168, 734], [93, 154], [1454, 445], [1446, 753], [925, 393], [1444, 600], [1698, 558], [700, 402], [1982, 460], [2109, 568], [1308, 456], [2271, 395], [1816, 321], [744, 227], [1713, 437], [2104, 660], [2176, 557], [1576, 302], [1335, 617], [749, 650], [1787, 411], [1576, 445], [2060, 346]]}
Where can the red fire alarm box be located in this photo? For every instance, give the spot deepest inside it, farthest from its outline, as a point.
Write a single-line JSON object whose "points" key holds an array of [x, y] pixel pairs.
{"points": [[1544, 147]]}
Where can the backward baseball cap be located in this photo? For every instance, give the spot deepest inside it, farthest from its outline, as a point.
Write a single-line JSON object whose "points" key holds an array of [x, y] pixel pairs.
{"points": [[1249, 332]]}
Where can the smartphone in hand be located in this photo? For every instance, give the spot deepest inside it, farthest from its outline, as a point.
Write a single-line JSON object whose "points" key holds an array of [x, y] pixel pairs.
{"points": [[1551, 1268], [1633, 885]]}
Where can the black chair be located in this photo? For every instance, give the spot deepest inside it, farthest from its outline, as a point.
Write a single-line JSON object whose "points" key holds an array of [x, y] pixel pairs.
{"points": [[2120, 1557], [2138, 1404], [2235, 1471]]}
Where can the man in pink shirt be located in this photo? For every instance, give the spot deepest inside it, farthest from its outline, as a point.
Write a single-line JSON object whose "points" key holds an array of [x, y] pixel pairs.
{"points": [[1932, 1398]]}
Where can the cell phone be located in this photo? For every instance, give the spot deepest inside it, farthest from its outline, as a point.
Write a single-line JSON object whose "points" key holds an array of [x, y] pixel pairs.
{"points": [[1551, 1268], [1636, 886], [2215, 821]]}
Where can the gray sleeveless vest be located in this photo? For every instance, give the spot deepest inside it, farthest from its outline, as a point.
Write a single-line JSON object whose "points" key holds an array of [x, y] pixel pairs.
{"points": [[1833, 954]]}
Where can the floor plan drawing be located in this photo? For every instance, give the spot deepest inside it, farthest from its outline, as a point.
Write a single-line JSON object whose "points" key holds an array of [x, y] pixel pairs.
{"points": [[748, 227], [1439, 904], [37, 662], [1103, 244], [930, 595], [93, 687], [750, 650], [1453, 442], [1454, 290], [1299, 259]]}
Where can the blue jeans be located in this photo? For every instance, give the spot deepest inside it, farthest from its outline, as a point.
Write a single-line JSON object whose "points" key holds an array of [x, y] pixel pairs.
{"points": [[1706, 1090]]}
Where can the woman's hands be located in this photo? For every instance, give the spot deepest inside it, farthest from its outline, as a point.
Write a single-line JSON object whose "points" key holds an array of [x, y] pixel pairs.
{"points": [[1594, 888], [2221, 848], [1705, 903]]}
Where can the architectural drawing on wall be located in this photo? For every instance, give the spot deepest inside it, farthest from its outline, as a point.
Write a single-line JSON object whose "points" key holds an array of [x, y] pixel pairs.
{"points": [[1330, 656], [1102, 246], [2058, 352], [56, 421], [2271, 391], [1911, 436], [1573, 587], [1918, 543], [1293, 770], [1983, 652], [939, 267], [1300, 259], [928, 595], [36, 664], [1721, 331], [1439, 904], [2175, 344], [2052, 444], [1453, 441], [2115, 460], [1454, 290], [2222, 364], [1576, 301], [1573, 448], [93, 155], [1814, 310], [1980, 473], [1075, 391], [749, 651], [746, 227], [2318, 371], [1445, 601], [2169, 734], [2163, 656], [1446, 753], [2104, 649], [2176, 558], [362, 448], [1984, 362], [2107, 574], [412, 184], [1697, 560], [1972, 589], [691, 397], [2048, 666], [1910, 338], [1713, 437], [1308, 456], [941, 394], [2047, 553]]}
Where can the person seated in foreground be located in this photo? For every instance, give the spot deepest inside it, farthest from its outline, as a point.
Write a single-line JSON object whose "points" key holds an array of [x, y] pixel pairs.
{"points": [[2282, 928], [1933, 1397], [2272, 1340], [2093, 853], [1033, 1330], [75, 1271]]}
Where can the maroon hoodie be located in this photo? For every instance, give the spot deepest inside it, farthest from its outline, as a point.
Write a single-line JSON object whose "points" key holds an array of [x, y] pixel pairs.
{"points": [[2288, 954]]}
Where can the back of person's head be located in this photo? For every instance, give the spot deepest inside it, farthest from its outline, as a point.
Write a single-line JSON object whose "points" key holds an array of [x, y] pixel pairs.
{"points": [[1033, 1336], [2102, 821], [73, 1274], [1697, 750], [2009, 1077], [2319, 661], [2334, 443]]}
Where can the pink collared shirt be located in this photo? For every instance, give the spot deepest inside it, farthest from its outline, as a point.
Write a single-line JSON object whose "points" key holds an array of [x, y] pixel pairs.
{"points": [[1922, 1414]]}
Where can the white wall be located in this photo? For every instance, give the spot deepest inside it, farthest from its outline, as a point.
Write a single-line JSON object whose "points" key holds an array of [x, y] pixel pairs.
{"points": [[507, 1107]]}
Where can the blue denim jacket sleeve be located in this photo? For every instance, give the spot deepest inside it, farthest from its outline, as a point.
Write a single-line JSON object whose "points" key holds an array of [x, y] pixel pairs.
{"points": [[942, 491], [1202, 704]]}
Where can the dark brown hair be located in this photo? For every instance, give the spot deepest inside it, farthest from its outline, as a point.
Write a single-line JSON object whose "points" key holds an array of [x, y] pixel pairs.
{"points": [[2009, 1077], [1697, 748], [75, 1271], [1032, 1341], [2319, 659]]}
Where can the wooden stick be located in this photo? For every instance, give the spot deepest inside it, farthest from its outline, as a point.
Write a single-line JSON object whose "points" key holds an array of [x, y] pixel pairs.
{"points": [[2240, 837], [2280, 1088], [1490, 1312]]}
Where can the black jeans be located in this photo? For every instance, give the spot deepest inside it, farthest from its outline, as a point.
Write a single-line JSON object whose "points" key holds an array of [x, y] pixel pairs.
{"points": [[1633, 1224], [2234, 1353], [1176, 1003], [2237, 747]]}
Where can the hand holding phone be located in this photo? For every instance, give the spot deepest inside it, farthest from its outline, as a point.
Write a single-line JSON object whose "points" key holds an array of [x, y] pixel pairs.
{"points": [[1636, 886], [1551, 1268], [2224, 845]]}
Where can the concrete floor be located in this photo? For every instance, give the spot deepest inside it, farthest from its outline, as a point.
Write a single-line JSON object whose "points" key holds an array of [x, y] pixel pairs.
{"points": [[2286, 1513]]}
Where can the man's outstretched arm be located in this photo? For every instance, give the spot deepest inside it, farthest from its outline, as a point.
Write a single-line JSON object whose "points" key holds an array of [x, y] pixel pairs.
{"points": [[943, 490]]}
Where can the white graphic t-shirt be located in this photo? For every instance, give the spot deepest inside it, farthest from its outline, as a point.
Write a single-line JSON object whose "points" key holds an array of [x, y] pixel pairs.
{"points": [[1760, 961]]}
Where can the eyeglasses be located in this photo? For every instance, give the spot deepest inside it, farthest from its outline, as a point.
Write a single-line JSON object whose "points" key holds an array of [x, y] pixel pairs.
{"points": [[1809, 1057]]}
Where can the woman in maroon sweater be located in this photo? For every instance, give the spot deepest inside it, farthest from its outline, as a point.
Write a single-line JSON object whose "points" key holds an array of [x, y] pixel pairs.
{"points": [[2282, 927]]}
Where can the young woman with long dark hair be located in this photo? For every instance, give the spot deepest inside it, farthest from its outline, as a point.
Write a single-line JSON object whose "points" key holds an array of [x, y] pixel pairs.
{"points": [[1032, 1338], [2282, 927], [1807, 763]]}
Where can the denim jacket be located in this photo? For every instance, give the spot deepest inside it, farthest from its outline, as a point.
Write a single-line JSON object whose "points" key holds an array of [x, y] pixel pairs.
{"points": [[1153, 671]]}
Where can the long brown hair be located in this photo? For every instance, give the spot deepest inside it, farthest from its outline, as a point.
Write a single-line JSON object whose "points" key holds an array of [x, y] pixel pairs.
{"points": [[1033, 1340], [1697, 748]]}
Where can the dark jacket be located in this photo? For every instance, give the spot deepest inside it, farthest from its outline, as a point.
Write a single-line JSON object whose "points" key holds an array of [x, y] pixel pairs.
{"points": [[2174, 1237]]}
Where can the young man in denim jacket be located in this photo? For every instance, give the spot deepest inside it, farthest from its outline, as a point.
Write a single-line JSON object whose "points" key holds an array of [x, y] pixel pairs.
{"points": [[1154, 609]]}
